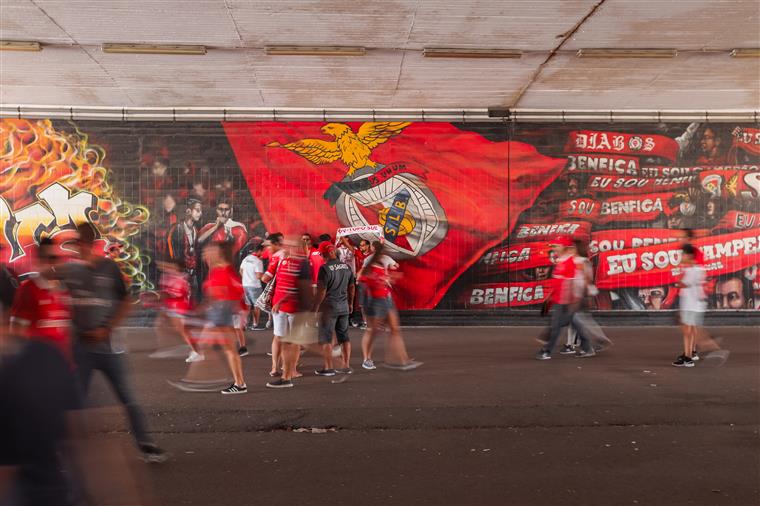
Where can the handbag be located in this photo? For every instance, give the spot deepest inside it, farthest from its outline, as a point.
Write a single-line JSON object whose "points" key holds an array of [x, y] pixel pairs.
{"points": [[264, 301]]}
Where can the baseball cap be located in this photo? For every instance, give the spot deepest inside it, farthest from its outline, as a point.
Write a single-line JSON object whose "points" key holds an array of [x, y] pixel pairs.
{"points": [[325, 247]]}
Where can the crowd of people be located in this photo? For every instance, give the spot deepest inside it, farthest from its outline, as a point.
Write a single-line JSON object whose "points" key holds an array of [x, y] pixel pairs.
{"points": [[307, 295]]}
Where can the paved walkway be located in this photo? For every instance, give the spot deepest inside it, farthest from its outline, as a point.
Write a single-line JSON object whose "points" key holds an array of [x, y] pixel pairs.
{"points": [[481, 422]]}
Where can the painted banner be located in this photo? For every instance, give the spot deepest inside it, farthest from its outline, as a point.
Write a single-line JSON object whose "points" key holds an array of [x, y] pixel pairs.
{"points": [[590, 141], [548, 231], [500, 295], [603, 164], [516, 257], [628, 185], [635, 208], [610, 240], [655, 265], [466, 209]]}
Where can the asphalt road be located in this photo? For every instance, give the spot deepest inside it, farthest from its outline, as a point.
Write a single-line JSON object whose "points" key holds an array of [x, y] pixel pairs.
{"points": [[481, 423]]}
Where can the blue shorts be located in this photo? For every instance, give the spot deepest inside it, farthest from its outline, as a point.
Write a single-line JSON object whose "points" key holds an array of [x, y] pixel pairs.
{"points": [[251, 294], [220, 313], [378, 307]]}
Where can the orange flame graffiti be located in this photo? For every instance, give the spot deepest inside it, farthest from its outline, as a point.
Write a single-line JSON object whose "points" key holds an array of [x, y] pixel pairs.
{"points": [[36, 155]]}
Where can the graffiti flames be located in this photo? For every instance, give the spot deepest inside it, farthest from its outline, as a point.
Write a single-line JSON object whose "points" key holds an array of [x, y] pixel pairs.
{"points": [[50, 181]]}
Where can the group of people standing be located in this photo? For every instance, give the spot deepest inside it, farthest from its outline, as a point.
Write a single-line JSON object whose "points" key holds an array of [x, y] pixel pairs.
{"points": [[310, 296]]}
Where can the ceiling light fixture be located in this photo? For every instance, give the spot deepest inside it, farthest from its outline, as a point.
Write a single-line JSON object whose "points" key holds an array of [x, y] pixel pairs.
{"points": [[154, 49], [746, 52], [626, 53], [20, 45], [316, 51], [442, 52]]}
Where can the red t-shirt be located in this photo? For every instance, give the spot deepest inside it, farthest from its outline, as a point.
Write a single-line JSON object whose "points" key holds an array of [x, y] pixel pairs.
{"points": [[47, 312], [289, 271], [359, 259], [564, 273], [315, 261], [376, 279], [223, 283], [176, 291]]}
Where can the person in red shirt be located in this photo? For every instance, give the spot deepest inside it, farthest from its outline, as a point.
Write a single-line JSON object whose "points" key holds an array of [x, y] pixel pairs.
{"points": [[41, 307], [223, 292], [175, 297], [291, 299], [380, 309], [312, 255], [562, 297]]}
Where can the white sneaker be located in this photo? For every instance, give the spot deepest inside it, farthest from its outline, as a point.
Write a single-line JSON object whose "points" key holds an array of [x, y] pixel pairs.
{"points": [[368, 364], [194, 357]]}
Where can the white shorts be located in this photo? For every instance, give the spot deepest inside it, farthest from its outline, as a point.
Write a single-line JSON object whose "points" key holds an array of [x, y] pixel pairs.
{"points": [[282, 323], [294, 328]]}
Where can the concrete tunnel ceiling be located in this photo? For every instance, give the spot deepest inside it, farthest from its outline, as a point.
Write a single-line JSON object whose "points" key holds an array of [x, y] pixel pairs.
{"points": [[71, 70]]}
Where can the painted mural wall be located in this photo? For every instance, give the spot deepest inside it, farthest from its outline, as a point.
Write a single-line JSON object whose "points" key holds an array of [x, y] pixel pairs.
{"points": [[466, 209]]}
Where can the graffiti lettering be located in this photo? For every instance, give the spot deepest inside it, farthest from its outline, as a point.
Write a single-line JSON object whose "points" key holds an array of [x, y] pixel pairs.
{"points": [[56, 210]]}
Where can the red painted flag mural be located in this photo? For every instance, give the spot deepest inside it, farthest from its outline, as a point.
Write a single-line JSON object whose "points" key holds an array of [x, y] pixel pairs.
{"points": [[427, 185], [467, 210]]}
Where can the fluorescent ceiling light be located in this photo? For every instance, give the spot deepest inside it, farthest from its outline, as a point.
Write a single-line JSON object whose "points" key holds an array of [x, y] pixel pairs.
{"points": [[316, 51], [153, 49], [746, 52], [442, 52], [627, 53], [19, 45]]}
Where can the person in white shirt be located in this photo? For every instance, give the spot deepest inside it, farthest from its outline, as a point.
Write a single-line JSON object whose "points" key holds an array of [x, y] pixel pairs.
{"points": [[692, 303], [251, 271]]}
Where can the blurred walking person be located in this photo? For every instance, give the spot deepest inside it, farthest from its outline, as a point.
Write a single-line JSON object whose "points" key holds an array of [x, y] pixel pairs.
{"points": [[591, 338], [223, 293], [39, 387], [692, 303], [100, 301], [380, 309], [175, 293], [563, 298]]}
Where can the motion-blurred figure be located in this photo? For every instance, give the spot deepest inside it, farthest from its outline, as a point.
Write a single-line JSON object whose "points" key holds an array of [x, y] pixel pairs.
{"points": [[563, 298], [100, 301], [379, 309], [175, 292], [692, 304], [223, 294], [38, 388]]}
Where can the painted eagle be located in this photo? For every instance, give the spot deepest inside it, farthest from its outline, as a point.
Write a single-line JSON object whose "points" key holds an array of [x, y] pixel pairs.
{"points": [[353, 149]]}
